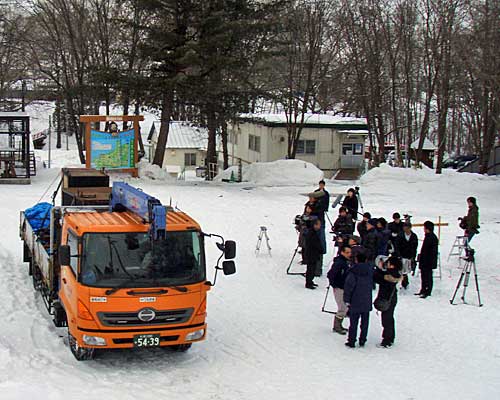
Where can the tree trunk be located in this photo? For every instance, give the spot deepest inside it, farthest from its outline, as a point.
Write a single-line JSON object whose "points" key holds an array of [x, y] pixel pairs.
{"points": [[225, 153], [212, 138], [166, 113]]}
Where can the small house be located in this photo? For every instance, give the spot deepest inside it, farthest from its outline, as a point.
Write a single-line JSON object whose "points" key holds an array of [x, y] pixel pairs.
{"points": [[330, 142], [428, 150], [186, 145]]}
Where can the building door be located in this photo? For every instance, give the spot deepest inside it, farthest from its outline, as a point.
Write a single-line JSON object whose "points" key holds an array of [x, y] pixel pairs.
{"points": [[352, 155]]}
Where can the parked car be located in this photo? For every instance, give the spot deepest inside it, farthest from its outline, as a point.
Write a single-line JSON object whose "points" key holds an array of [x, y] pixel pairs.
{"points": [[458, 161]]}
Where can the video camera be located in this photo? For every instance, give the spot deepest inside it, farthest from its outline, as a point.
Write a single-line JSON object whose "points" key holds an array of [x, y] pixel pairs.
{"points": [[462, 223], [304, 221], [356, 190]]}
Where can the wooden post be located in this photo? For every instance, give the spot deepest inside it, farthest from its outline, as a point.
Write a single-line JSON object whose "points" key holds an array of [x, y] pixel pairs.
{"points": [[439, 229]]}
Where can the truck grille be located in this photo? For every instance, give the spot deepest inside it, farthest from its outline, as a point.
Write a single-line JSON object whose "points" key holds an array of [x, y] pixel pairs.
{"points": [[165, 317]]}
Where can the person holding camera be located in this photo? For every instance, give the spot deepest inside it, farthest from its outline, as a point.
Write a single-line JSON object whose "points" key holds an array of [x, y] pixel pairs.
{"points": [[313, 252], [301, 222], [470, 223], [336, 277], [358, 299], [428, 260], [343, 225], [406, 248], [317, 201], [387, 275]]}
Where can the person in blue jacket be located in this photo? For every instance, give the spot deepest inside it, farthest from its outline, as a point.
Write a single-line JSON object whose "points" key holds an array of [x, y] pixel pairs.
{"points": [[358, 298]]}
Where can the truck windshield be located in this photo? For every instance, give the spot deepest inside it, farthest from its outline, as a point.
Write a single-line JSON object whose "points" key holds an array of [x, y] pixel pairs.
{"points": [[110, 259]]}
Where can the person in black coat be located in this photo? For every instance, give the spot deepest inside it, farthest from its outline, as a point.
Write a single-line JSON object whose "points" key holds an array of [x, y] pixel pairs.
{"points": [[323, 201], [362, 226], [371, 240], [313, 253], [358, 298], [395, 227], [428, 259], [336, 277], [388, 275], [351, 203], [320, 199], [343, 224], [384, 244], [406, 248]]}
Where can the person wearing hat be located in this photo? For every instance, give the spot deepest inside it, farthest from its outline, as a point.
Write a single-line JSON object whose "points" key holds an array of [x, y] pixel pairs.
{"points": [[428, 260], [371, 241], [406, 248]]}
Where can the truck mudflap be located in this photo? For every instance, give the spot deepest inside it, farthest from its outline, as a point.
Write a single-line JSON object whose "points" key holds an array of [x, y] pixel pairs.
{"points": [[139, 338]]}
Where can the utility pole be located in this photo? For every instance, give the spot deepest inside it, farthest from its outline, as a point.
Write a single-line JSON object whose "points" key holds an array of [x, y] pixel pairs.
{"points": [[50, 138]]}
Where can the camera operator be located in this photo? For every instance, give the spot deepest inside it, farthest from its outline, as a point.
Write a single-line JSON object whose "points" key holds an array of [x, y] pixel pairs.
{"points": [[313, 252], [470, 223], [301, 222], [317, 202], [351, 203], [387, 274], [406, 248]]}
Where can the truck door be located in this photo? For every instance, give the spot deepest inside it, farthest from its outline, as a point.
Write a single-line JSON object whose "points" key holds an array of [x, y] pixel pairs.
{"points": [[68, 285]]}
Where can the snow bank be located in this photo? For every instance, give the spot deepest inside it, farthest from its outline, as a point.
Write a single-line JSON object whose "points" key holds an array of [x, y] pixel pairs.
{"points": [[277, 173], [153, 172]]}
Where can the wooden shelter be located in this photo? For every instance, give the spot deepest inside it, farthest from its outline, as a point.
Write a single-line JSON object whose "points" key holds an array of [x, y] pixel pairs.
{"points": [[428, 150], [17, 161]]}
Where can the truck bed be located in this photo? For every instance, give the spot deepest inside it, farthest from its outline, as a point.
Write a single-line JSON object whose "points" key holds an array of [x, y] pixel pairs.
{"points": [[38, 248]]}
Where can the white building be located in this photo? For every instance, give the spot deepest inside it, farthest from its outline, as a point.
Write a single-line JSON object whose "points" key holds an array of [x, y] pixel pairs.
{"points": [[186, 145], [329, 142]]}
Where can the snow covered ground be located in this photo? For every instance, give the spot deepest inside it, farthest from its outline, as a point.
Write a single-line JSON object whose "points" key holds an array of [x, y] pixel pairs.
{"points": [[267, 337]]}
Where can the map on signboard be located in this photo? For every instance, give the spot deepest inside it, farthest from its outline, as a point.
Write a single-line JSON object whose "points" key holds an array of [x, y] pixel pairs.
{"points": [[112, 151]]}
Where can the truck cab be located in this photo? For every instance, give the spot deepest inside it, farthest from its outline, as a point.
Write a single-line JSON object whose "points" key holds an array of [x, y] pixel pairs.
{"points": [[122, 281]]}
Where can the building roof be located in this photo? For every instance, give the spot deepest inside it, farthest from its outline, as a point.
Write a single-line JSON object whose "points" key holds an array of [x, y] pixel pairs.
{"points": [[310, 120], [428, 145], [182, 135]]}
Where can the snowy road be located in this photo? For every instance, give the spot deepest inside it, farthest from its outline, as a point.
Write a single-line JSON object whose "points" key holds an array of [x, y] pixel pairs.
{"points": [[267, 338]]}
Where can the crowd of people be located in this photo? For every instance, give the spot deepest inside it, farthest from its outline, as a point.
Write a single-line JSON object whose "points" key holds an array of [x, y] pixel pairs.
{"points": [[381, 253]]}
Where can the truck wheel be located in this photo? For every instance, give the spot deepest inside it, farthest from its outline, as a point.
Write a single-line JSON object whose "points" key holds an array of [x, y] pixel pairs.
{"points": [[59, 315], [181, 348], [80, 353]]}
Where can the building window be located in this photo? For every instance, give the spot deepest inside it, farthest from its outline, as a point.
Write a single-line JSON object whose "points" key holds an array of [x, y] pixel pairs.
{"points": [[358, 149], [190, 159], [352, 149], [254, 143], [306, 147]]}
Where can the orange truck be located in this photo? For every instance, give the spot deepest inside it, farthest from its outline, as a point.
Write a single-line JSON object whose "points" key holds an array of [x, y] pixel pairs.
{"points": [[129, 274]]}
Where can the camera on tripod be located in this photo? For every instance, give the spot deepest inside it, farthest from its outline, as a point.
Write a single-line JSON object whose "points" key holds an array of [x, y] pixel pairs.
{"points": [[356, 190], [304, 221]]}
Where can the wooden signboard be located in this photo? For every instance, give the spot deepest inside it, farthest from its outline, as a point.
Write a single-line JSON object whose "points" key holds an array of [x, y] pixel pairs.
{"points": [[112, 150]]}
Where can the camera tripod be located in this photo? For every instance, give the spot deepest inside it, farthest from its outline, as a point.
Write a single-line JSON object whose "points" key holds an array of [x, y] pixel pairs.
{"points": [[469, 266], [291, 262], [262, 235]]}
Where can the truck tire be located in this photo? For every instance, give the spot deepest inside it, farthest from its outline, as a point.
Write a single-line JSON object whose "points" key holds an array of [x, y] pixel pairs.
{"points": [[26, 253], [60, 319], [80, 353]]}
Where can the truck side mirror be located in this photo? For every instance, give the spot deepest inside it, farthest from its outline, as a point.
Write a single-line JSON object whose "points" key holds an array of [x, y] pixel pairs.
{"points": [[230, 249], [64, 255], [229, 267]]}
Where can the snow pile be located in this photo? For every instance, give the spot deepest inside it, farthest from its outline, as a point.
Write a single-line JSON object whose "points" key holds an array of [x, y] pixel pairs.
{"points": [[277, 173], [153, 172]]}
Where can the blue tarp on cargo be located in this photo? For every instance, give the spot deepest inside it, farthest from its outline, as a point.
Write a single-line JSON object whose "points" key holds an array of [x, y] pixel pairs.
{"points": [[39, 216]]}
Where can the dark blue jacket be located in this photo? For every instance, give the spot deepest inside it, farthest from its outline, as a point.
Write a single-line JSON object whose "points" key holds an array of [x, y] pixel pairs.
{"points": [[358, 288], [336, 275], [383, 244]]}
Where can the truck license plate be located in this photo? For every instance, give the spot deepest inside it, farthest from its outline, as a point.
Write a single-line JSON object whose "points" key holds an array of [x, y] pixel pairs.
{"points": [[146, 340]]}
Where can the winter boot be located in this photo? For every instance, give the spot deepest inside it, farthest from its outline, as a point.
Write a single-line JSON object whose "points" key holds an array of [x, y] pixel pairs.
{"points": [[337, 326]]}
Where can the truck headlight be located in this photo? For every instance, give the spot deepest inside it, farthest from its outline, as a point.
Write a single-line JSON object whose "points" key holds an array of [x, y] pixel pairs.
{"points": [[94, 340], [195, 335]]}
